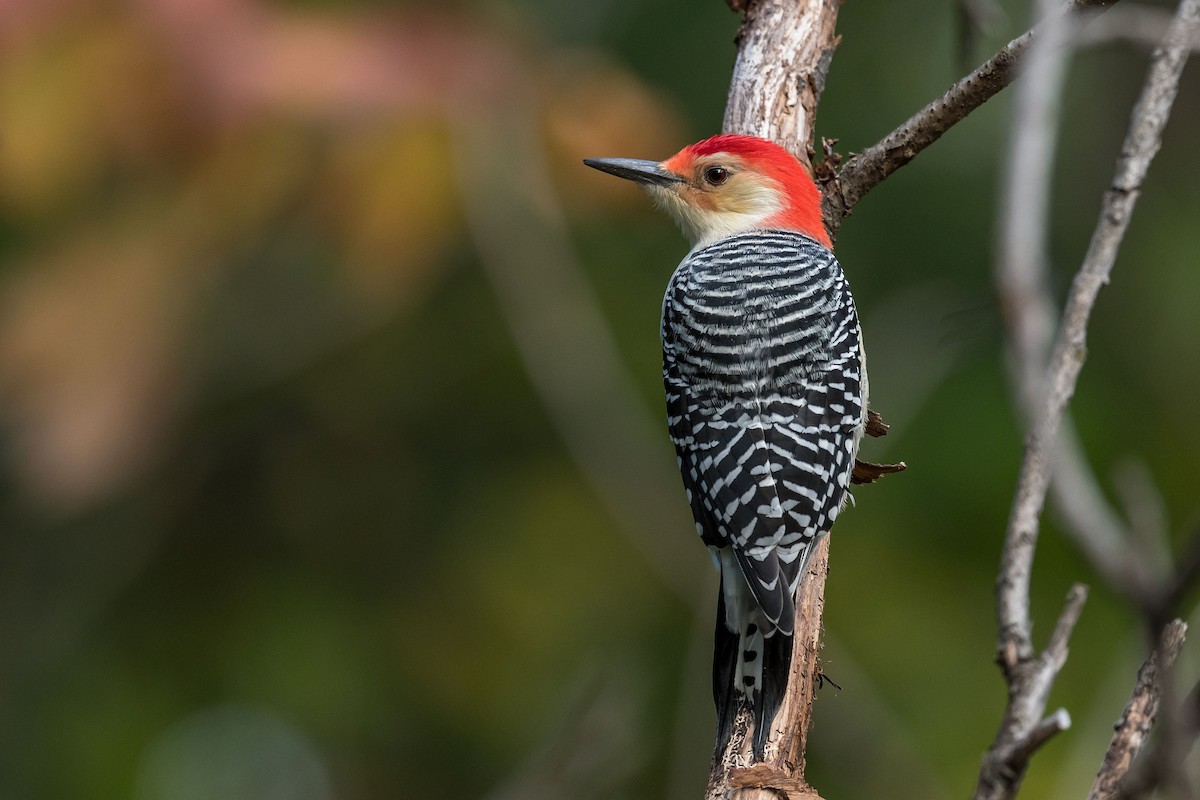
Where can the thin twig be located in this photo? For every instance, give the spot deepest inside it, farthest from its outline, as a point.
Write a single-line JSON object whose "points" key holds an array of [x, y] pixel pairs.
{"points": [[1022, 730], [1145, 775], [1138, 718], [866, 170], [1164, 769], [1149, 117], [1051, 726], [1023, 285]]}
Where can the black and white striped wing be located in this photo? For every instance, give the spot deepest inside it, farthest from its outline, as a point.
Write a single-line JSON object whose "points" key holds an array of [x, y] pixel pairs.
{"points": [[763, 368]]}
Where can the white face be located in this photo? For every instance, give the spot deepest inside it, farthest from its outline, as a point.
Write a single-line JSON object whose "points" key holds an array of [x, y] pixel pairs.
{"points": [[719, 198]]}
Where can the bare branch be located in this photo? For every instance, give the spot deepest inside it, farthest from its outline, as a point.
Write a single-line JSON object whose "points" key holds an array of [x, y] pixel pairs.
{"points": [[1023, 286], [1022, 273], [1055, 653], [1138, 718], [1043, 732], [1142, 142], [1146, 773], [863, 172], [1023, 731]]}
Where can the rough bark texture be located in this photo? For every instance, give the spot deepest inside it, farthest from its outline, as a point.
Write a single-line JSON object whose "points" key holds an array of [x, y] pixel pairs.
{"points": [[1133, 728], [783, 55]]}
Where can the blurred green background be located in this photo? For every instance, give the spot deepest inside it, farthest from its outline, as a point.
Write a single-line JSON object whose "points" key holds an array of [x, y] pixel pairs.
{"points": [[333, 461]]}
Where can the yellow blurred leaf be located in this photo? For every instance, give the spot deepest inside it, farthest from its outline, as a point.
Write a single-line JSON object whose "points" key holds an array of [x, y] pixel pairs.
{"points": [[71, 103], [394, 205]]}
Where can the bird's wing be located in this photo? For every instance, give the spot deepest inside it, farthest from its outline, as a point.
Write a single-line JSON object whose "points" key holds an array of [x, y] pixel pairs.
{"points": [[767, 478]]}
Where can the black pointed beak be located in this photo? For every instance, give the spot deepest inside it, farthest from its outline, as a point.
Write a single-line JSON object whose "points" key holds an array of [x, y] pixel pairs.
{"points": [[636, 170]]}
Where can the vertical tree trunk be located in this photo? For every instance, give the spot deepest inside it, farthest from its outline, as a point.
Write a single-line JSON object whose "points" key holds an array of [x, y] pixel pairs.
{"points": [[784, 50]]}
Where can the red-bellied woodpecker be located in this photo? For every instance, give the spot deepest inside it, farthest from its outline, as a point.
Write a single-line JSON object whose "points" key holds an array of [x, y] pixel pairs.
{"points": [[766, 392]]}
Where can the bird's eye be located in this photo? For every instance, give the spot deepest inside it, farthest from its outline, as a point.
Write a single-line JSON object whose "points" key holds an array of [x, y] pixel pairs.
{"points": [[715, 176]]}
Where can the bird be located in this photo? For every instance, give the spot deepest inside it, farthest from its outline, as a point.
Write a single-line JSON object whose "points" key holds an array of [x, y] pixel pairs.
{"points": [[766, 393]]}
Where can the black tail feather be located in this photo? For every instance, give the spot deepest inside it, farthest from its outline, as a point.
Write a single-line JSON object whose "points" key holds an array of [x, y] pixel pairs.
{"points": [[777, 664], [725, 656]]}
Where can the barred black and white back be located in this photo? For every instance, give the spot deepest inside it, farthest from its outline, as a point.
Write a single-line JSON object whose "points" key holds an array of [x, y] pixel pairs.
{"points": [[766, 400]]}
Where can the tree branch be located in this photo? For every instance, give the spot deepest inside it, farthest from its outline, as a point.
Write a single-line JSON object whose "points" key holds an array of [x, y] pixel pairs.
{"points": [[866, 170], [1146, 773], [784, 50], [1138, 718]]}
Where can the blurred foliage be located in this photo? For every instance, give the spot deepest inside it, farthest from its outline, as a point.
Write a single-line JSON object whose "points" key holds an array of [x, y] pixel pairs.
{"points": [[282, 514]]}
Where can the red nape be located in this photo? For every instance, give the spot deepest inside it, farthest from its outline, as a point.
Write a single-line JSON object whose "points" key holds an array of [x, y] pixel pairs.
{"points": [[803, 213]]}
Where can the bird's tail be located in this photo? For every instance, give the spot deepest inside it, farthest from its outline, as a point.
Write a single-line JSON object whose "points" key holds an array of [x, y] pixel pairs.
{"points": [[750, 664]]}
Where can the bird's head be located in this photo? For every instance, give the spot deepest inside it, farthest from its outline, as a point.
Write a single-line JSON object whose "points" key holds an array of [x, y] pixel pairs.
{"points": [[726, 185]]}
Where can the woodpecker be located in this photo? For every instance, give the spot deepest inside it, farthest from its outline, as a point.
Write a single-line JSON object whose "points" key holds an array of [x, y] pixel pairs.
{"points": [[766, 390]]}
